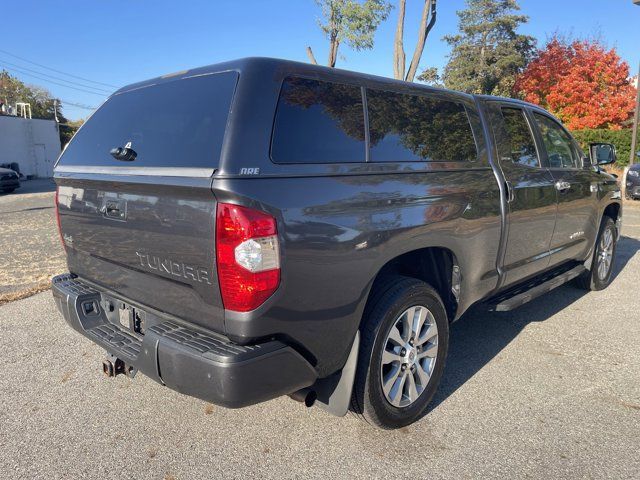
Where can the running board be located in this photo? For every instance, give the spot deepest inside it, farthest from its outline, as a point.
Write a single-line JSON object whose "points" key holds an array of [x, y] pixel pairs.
{"points": [[514, 298]]}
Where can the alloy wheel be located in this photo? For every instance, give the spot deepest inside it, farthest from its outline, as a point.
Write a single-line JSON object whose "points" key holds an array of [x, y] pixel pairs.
{"points": [[409, 356], [605, 254]]}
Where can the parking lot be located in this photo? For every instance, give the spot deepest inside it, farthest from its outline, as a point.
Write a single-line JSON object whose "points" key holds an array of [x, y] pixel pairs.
{"points": [[551, 389], [30, 251]]}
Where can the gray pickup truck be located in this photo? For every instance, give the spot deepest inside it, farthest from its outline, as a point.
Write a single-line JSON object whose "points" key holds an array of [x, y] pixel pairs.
{"points": [[261, 228]]}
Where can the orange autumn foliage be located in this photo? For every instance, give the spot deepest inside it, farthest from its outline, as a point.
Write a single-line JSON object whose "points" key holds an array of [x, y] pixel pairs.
{"points": [[582, 83]]}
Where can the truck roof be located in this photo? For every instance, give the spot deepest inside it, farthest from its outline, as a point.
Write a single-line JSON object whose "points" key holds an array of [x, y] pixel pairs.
{"points": [[267, 67], [508, 99]]}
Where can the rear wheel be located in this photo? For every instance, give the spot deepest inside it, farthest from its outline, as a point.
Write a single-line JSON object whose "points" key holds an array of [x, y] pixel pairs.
{"points": [[405, 336], [599, 277], [8, 190]]}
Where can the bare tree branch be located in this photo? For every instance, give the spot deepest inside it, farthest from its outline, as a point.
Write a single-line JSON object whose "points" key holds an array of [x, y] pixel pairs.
{"points": [[311, 56], [399, 58], [426, 24]]}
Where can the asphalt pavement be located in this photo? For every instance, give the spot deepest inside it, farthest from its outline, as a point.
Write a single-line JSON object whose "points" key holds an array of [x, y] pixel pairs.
{"points": [[549, 390]]}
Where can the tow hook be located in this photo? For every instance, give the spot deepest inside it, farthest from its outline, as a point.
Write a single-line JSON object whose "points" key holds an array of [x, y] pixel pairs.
{"points": [[113, 366]]}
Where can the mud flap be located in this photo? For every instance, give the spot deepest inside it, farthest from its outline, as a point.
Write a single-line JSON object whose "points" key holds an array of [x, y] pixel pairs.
{"points": [[334, 392]]}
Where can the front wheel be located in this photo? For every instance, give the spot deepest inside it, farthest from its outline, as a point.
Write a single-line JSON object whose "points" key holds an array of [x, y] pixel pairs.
{"points": [[599, 277], [405, 337]]}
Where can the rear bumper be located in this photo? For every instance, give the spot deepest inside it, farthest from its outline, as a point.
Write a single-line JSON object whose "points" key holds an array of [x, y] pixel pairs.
{"points": [[187, 359]]}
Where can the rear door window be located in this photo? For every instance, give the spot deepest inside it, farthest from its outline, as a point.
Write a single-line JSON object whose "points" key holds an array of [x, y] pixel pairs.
{"points": [[519, 146], [406, 128], [318, 122], [179, 123]]}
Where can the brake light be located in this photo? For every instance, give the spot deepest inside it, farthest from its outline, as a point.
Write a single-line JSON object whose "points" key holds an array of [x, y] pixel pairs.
{"points": [[58, 219], [248, 256]]}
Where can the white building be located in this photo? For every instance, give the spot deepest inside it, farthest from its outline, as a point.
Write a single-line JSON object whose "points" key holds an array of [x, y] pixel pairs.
{"points": [[32, 143]]}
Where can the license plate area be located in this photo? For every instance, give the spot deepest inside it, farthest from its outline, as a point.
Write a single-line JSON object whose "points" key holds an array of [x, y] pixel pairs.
{"points": [[125, 316]]}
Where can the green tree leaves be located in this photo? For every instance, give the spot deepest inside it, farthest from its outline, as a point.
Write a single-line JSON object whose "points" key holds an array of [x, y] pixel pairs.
{"points": [[351, 22], [42, 102], [488, 53]]}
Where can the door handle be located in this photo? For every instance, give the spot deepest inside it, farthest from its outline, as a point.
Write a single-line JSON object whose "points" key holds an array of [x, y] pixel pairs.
{"points": [[511, 194], [562, 186]]}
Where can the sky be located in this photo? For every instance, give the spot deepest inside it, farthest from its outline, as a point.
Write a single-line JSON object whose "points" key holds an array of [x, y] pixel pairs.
{"points": [[117, 42]]}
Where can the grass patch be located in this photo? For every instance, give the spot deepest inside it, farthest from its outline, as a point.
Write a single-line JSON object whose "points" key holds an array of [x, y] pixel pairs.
{"points": [[25, 293]]}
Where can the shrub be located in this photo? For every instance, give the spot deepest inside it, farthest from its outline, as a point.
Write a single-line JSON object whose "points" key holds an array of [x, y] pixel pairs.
{"points": [[620, 138]]}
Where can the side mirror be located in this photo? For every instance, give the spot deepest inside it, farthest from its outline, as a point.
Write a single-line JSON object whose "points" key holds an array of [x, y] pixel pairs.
{"points": [[602, 153]]}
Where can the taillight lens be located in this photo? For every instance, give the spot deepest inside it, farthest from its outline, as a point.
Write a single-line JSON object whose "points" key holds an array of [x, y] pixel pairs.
{"points": [[58, 219], [248, 256]]}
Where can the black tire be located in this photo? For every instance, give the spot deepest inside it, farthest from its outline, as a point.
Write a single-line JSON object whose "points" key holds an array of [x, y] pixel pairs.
{"points": [[8, 190], [368, 399], [591, 279]]}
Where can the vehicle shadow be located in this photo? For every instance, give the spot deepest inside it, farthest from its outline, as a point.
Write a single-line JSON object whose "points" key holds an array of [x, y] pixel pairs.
{"points": [[626, 249], [480, 335]]}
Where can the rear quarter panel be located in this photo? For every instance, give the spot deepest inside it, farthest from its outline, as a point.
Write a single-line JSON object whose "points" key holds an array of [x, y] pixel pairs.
{"points": [[340, 223], [337, 232]]}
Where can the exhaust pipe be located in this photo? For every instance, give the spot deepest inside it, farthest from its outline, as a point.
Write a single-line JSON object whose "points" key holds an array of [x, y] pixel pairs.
{"points": [[306, 396]]}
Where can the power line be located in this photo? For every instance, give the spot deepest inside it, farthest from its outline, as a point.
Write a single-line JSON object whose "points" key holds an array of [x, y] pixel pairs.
{"points": [[51, 81], [54, 77], [78, 105], [57, 71], [63, 103]]}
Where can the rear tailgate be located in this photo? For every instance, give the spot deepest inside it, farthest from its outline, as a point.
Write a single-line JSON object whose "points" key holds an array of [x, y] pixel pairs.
{"points": [[145, 229]]}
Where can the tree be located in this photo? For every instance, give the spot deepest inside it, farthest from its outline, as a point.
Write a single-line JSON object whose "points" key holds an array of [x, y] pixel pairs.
{"points": [[12, 90], [581, 82], [431, 77], [488, 54], [351, 22], [43, 104], [399, 58], [68, 130]]}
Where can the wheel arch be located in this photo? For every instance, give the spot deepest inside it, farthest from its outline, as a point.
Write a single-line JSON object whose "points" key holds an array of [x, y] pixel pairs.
{"points": [[612, 211], [434, 265]]}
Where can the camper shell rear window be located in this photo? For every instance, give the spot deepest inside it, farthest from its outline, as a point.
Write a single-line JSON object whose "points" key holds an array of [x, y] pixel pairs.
{"points": [[180, 123]]}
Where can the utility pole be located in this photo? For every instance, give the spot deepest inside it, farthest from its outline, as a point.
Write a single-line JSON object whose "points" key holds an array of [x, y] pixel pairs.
{"points": [[636, 119]]}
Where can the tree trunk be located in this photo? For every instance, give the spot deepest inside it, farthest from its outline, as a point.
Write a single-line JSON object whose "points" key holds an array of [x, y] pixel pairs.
{"points": [[399, 57], [333, 37], [426, 25], [333, 50], [482, 70], [311, 56]]}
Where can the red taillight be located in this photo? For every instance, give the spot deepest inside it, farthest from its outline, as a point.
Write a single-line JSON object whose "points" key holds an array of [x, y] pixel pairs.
{"points": [[248, 256], [58, 219]]}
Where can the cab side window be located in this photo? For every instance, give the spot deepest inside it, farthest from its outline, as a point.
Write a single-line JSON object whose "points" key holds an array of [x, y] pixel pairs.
{"points": [[519, 146], [418, 128], [561, 150], [318, 122]]}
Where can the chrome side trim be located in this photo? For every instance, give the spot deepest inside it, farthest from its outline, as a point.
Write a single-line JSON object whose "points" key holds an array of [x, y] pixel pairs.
{"points": [[144, 171]]}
